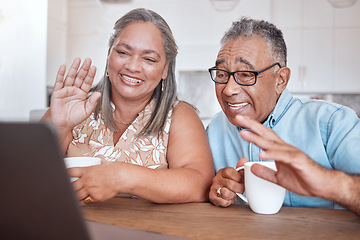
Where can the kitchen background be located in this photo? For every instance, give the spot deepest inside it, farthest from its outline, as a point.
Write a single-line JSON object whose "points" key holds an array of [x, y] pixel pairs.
{"points": [[36, 36]]}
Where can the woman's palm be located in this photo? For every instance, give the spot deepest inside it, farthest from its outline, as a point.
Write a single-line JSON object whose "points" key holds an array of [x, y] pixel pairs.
{"points": [[70, 104]]}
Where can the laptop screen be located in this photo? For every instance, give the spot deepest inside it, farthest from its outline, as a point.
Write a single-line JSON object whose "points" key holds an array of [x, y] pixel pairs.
{"points": [[37, 200]]}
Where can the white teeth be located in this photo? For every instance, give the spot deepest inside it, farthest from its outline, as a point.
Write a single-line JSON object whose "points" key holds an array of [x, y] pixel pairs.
{"points": [[239, 105], [133, 80]]}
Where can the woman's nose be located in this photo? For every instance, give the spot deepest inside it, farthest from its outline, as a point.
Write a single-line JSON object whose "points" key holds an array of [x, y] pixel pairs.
{"points": [[133, 64]]}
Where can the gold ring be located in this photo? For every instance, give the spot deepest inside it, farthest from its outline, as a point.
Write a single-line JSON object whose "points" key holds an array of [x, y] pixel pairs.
{"points": [[218, 192], [87, 200]]}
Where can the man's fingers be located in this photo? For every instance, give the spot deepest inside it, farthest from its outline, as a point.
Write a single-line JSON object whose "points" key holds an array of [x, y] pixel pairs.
{"points": [[287, 154], [264, 143], [231, 174], [227, 194], [217, 198], [258, 140], [264, 172], [241, 162], [225, 184], [257, 128]]}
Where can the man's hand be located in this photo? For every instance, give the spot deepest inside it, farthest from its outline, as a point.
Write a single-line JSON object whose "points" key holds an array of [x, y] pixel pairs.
{"points": [[225, 184], [295, 170]]}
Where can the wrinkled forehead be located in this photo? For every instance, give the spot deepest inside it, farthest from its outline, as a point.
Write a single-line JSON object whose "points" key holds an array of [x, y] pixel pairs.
{"points": [[244, 51]]}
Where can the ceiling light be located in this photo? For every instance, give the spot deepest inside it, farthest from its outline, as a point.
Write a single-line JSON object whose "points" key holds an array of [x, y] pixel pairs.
{"points": [[115, 1], [224, 5], [342, 3]]}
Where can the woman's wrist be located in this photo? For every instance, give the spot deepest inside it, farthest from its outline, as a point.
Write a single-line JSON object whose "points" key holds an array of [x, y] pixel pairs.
{"points": [[120, 179]]}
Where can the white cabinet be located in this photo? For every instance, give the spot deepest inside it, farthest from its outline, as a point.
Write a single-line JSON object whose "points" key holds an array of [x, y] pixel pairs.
{"points": [[346, 61], [310, 60], [322, 45], [310, 43], [347, 49], [200, 28]]}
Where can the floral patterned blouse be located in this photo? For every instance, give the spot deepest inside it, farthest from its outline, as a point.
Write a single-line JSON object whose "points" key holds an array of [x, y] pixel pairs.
{"points": [[93, 138]]}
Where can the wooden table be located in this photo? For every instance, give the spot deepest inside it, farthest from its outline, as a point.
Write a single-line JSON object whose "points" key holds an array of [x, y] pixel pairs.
{"points": [[205, 221]]}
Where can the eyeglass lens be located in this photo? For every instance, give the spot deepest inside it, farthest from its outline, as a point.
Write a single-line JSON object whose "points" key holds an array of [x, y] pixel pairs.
{"points": [[243, 77]]}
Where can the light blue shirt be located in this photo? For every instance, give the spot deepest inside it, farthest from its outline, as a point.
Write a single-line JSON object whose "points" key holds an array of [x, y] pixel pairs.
{"points": [[327, 132]]}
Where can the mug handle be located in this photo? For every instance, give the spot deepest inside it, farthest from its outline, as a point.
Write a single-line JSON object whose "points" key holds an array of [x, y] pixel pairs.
{"points": [[239, 194]]}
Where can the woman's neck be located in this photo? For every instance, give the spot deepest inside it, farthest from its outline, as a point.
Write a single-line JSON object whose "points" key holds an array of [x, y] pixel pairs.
{"points": [[126, 112]]}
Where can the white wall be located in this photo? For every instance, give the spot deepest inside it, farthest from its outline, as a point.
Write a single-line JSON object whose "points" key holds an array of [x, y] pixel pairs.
{"points": [[34, 43], [197, 28], [23, 36], [196, 25], [56, 38]]}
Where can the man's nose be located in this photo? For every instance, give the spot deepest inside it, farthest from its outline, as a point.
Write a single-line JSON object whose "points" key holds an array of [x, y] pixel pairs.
{"points": [[232, 87]]}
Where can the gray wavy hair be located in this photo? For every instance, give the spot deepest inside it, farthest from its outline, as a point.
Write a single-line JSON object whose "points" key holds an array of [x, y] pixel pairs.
{"points": [[247, 27], [165, 99]]}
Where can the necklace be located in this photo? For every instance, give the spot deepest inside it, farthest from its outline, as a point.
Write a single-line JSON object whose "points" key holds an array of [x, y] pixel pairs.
{"points": [[124, 123]]}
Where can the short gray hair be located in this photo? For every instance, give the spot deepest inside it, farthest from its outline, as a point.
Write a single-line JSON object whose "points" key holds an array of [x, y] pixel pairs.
{"points": [[247, 27], [165, 99]]}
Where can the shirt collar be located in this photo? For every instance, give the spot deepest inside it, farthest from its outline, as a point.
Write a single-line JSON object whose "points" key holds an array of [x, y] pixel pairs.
{"points": [[280, 109]]}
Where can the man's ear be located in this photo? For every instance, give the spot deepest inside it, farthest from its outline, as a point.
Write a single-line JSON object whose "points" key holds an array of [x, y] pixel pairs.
{"points": [[282, 79]]}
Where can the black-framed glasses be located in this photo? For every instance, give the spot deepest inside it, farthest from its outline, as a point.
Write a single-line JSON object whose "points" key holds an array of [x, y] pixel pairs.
{"points": [[244, 78]]}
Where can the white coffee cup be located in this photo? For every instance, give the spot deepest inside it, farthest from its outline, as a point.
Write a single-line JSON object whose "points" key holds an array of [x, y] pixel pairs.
{"points": [[71, 162], [263, 197]]}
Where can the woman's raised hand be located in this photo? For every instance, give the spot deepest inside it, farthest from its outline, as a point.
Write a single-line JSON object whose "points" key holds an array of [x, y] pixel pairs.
{"points": [[70, 104]]}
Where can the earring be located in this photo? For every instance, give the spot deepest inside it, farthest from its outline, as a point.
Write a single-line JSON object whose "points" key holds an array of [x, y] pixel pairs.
{"points": [[162, 85], [107, 74]]}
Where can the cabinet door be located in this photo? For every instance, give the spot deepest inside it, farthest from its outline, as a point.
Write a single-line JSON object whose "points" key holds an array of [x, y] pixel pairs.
{"points": [[309, 38], [310, 59], [293, 40], [347, 49], [317, 62], [347, 63], [302, 14], [287, 14]]}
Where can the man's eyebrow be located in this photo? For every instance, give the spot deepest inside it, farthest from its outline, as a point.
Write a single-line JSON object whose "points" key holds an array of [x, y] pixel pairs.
{"points": [[242, 60], [239, 59], [220, 61]]}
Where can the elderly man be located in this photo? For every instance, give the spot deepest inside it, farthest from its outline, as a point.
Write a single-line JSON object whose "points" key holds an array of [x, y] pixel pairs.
{"points": [[315, 144]]}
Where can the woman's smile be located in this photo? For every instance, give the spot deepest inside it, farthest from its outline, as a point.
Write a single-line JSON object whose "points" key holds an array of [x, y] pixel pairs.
{"points": [[131, 80]]}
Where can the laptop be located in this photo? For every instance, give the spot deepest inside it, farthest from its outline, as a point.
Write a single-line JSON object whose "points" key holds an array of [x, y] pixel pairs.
{"points": [[37, 200]]}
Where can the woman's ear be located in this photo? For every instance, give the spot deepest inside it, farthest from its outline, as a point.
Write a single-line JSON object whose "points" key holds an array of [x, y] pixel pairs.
{"points": [[165, 71], [282, 79]]}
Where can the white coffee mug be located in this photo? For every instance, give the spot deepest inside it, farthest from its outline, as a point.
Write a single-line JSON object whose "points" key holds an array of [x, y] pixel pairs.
{"points": [[263, 197], [71, 162]]}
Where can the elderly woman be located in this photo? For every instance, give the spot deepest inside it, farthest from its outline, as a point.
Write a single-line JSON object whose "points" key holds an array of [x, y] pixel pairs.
{"points": [[152, 146]]}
